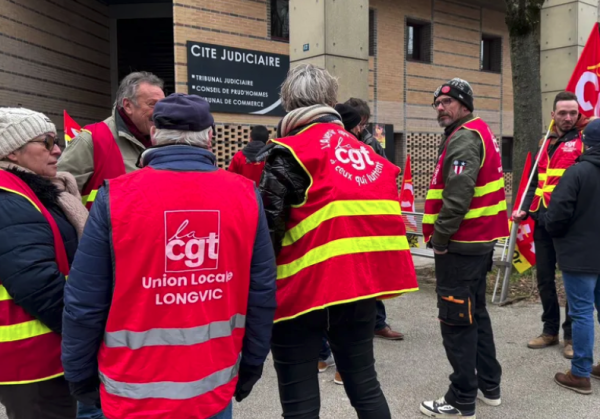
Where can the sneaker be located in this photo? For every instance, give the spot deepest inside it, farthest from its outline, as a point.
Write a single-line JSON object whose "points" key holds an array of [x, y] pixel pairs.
{"points": [[338, 379], [491, 398], [441, 409], [568, 350], [543, 341], [324, 365], [596, 372], [580, 385], [389, 334]]}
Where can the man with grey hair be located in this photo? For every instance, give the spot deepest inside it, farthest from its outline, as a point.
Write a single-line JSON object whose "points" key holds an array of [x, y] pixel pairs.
{"points": [[111, 148], [332, 206], [175, 265]]}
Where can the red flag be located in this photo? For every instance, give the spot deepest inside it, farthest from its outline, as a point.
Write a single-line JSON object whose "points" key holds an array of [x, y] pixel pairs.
{"points": [[585, 80], [72, 128], [524, 256], [407, 198]]}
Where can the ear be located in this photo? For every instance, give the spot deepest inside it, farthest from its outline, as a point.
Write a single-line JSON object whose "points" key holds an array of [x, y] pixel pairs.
{"points": [[128, 106], [13, 157], [152, 133], [552, 114]]}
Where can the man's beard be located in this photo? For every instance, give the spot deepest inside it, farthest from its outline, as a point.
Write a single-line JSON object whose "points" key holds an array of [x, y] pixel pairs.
{"points": [[566, 127], [446, 122]]}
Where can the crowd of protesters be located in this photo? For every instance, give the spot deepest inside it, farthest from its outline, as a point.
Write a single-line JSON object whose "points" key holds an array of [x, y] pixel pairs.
{"points": [[137, 279]]}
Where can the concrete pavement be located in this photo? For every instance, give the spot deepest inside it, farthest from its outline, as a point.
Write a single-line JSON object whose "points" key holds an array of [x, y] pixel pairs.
{"points": [[417, 369]]}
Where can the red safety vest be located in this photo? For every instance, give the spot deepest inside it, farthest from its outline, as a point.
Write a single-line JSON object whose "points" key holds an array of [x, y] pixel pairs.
{"points": [[346, 241], [29, 350], [182, 259], [240, 165], [108, 161], [550, 170], [486, 220]]}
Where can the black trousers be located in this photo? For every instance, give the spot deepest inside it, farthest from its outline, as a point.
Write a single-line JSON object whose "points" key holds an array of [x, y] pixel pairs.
{"points": [[49, 399], [466, 326], [546, 278], [296, 345]]}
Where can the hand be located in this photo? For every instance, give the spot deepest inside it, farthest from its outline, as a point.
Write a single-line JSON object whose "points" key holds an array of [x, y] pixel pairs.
{"points": [[519, 216], [440, 252], [248, 376], [86, 392]]}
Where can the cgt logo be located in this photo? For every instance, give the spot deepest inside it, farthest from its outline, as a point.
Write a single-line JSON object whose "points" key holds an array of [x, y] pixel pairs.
{"points": [[358, 158], [192, 240]]}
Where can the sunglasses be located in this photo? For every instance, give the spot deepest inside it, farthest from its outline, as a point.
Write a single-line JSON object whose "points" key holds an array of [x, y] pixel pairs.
{"points": [[49, 142]]}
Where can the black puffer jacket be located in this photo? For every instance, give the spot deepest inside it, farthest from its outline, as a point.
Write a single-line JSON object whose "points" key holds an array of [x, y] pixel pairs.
{"points": [[572, 217], [367, 138], [28, 269]]}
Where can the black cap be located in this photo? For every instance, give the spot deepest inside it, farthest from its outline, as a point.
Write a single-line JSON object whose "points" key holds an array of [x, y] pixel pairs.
{"points": [[458, 89], [350, 117], [183, 112], [591, 134]]}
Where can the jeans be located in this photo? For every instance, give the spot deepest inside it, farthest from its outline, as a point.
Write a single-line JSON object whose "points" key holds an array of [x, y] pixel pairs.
{"points": [[381, 317], [546, 278], [85, 411], [49, 399], [225, 414], [583, 291], [466, 327], [296, 344]]}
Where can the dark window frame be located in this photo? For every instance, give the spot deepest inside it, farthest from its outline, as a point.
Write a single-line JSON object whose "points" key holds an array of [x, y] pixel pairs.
{"points": [[421, 40], [490, 60], [275, 19]]}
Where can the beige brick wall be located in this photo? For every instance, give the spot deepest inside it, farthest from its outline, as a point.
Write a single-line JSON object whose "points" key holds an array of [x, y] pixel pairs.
{"points": [[54, 55], [405, 89]]}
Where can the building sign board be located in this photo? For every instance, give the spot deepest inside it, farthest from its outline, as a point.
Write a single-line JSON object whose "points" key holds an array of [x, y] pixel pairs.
{"points": [[236, 80]]}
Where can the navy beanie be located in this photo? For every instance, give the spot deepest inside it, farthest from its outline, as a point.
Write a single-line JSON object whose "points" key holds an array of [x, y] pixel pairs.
{"points": [[458, 89], [183, 112], [591, 134]]}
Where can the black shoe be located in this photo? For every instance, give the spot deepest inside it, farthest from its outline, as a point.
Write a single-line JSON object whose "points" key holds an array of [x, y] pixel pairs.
{"points": [[442, 409], [490, 397]]}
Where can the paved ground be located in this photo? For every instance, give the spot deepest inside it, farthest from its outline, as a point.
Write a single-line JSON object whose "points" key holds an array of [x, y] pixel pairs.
{"points": [[417, 369]]}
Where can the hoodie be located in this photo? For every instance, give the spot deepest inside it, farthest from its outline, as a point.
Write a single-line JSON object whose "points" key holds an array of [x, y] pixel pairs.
{"points": [[572, 216]]}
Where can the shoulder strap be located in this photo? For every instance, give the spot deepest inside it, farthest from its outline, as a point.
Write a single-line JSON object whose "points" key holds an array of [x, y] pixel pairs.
{"points": [[13, 184]]}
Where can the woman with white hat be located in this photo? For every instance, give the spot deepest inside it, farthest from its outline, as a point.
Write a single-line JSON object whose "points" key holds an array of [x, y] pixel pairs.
{"points": [[41, 219]]}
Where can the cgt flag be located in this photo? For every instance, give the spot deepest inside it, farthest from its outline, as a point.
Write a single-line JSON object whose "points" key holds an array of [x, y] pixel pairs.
{"points": [[407, 203], [524, 256], [72, 128], [585, 80]]}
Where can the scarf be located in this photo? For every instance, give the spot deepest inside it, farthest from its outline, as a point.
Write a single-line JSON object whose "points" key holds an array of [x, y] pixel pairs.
{"points": [[69, 199], [133, 130], [302, 117]]}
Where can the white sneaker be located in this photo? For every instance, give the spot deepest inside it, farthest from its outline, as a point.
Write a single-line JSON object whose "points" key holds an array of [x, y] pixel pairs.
{"points": [[489, 400], [442, 409], [325, 365]]}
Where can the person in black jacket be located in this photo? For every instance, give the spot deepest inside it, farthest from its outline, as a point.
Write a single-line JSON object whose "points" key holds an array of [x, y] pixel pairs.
{"points": [[29, 274], [572, 221], [363, 133]]}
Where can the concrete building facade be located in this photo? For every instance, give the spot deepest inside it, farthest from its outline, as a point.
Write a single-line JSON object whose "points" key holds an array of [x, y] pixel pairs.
{"points": [[70, 54]]}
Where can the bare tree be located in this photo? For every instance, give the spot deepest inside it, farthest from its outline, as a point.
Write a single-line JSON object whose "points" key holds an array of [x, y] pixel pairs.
{"points": [[523, 21]]}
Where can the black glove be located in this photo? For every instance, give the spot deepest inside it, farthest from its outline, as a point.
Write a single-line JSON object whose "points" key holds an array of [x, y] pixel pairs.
{"points": [[87, 391], [248, 376]]}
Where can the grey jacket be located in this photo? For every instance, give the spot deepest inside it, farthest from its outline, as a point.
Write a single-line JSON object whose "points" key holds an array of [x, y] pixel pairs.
{"points": [[78, 157]]}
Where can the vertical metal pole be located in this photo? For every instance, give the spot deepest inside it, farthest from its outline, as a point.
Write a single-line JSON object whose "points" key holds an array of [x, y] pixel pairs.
{"points": [[508, 270], [503, 258]]}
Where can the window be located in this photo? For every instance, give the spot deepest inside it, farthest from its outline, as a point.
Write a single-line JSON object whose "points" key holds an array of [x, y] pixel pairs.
{"points": [[372, 32], [507, 154], [491, 53], [280, 20], [418, 41]]}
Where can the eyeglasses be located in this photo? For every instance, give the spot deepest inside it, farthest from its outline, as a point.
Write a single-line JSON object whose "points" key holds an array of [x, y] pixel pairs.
{"points": [[444, 102], [49, 142]]}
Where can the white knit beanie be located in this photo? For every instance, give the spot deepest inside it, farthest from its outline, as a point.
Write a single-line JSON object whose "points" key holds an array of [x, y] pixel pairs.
{"points": [[18, 126]]}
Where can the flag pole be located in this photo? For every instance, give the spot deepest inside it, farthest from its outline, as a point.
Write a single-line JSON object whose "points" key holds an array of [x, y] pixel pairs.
{"points": [[515, 225]]}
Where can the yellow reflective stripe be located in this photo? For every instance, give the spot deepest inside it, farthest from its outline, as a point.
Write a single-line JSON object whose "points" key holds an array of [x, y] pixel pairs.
{"points": [[488, 188], [549, 188], [4, 294], [6, 383], [542, 176], [474, 213], [347, 246], [341, 209], [23, 330], [89, 198], [556, 172], [539, 192]]}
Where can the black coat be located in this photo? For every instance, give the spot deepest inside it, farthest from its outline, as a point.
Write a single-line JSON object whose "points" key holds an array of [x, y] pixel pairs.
{"points": [[572, 218], [28, 269]]}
